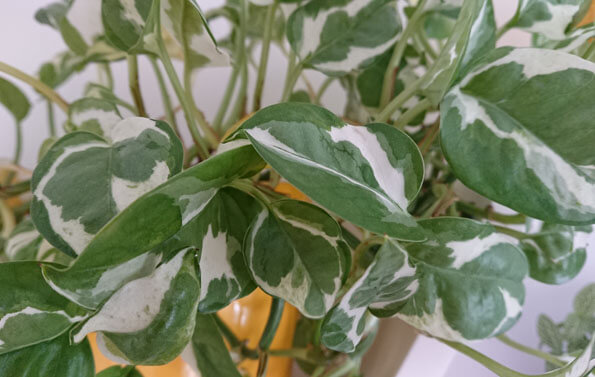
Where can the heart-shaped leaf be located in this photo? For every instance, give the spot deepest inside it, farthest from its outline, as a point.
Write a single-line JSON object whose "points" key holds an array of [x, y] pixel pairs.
{"points": [[119, 252], [337, 37], [470, 280], [94, 115], [131, 25], [473, 36], [384, 288], [557, 253], [295, 252], [53, 358], [30, 311], [218, 234], [150, 320], [84, 180], [534, 155], [368, 175]]}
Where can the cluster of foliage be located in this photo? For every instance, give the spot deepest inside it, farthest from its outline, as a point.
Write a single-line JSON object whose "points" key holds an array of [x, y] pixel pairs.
{"points": [[131, 234]]}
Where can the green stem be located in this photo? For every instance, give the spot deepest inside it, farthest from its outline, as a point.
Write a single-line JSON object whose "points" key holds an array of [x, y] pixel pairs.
{"points": [[19, 188], [398, 52], [223, 107], [264, 54], [342, 369], [513, 233], [429, 137], [270, 329], [426, 44], [511, 23], [233, 341], [42, 88], [249, 188], [51, 118], [169, 112], [16, 159], [488, 213], [492, 365], [590, 51], [294, 71], [413, 113], [109, 78], [202, 148], [134, 85], [531, 351], [323, 87], [399, 100]]}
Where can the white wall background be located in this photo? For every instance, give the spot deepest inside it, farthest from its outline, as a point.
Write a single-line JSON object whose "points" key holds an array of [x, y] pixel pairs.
{"points": [[26, 44]]}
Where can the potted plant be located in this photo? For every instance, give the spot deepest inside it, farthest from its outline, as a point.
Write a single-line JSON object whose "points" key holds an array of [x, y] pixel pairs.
{"points": [[126, 231]]}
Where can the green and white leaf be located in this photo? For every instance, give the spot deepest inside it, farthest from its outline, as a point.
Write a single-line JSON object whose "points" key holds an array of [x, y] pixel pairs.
{"points": [[375, 168], [218, 234], [150, 320], [53, 358], [385, 287], [473, 36], [131, 25], [207, 351], [584, 302], [60, 68], [550, 334], [25, 243], [557, 253], [13, 99], [295, 251], [579, 367], [30, 311], [119, 252], [534, 155], [184, 20], [94, 115], [84, 179], [550, 18], [339, 37], [576, 39], [470, 280]]}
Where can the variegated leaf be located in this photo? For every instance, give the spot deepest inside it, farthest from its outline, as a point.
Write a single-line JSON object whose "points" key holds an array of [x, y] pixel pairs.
{"points": [[119, 252], [295, 251], [218, 234], [207, 351], [548, 17], [24, 242], [131, 25], [576, 39], [533, 155], [53, 358], [150, 320], [473, 36], [30, 311], [341, 36], [470, 280], [557, 253], [84, 180], [94, 115], [384, 288], [184, 20], [376, 169], [13, 99], [581, 366], [60, 68]]}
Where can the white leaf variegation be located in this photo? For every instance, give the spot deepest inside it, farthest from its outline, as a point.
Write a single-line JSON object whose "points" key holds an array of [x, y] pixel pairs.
{"points": [[375, 168], [295, 251], [94, 115], [84, 180], [550, 18], [120, 252], [30, 311], [149, 320], [338, 38], [576, 39], [384, 288], [470, 280], [532, 156]]}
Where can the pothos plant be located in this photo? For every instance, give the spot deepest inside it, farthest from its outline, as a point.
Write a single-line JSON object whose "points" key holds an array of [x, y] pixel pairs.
{"points": [[133, 234]]}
